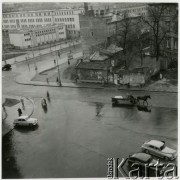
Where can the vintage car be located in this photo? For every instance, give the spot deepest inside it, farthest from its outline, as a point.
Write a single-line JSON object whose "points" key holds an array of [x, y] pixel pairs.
{"points": [[25, 121], [159, 149], [142, 160], [127, 100]]}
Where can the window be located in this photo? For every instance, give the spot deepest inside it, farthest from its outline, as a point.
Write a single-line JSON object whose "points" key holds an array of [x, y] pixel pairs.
{"points": [[168, 43], [167, 25], [175, 44]]}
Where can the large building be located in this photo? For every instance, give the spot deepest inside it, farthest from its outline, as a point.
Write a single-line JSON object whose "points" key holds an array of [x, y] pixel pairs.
{"points": [[138, 10], [31, 19], [25, 38]]}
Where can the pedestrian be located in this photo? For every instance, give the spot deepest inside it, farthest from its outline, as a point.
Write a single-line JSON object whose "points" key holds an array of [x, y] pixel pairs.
{"points": [[19, 111], [54, 62], [4, 108], [47, 80], [160, 76], [48, 94], [57, 80], [68, 62], [22, 102]]}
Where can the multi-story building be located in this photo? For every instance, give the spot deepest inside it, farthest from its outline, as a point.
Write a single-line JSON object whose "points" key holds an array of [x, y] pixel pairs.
{"points": [[167, 31], [24, 38], [138, 10], [31, 19]]}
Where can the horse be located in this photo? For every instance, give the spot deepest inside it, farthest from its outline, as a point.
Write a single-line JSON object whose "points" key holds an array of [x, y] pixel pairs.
{"points": [[143, 98]]}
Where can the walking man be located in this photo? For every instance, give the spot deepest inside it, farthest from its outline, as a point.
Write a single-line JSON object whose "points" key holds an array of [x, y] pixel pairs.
{"points": [[22, 102], [19, 111], [54, 62]]}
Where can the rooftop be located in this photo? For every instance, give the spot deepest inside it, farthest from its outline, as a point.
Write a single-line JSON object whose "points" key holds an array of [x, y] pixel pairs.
{"points": [[142, 156], [155, 143], [98, 57]]}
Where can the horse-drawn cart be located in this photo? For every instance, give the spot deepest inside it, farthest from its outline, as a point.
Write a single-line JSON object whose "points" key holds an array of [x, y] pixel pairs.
{"points": [[120, 100], [129, 100]]}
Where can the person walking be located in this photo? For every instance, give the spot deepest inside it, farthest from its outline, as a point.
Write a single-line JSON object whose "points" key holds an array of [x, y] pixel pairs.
{"points": [[47, 80], [47, 94], [19, 111], [54, 62], [4, 109], [22, 102]]}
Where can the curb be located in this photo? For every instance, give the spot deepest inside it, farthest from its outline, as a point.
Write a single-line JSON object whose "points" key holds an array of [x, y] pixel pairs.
{"points": [[28, 115], [97, 87]]}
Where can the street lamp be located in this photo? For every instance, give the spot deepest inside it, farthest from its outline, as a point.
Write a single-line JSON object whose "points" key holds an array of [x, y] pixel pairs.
{"points": [[35, 66], [58, 68]]}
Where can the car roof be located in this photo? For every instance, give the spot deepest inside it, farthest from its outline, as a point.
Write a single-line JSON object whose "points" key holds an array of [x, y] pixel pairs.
{"points": [[142, 156], [22, 117], [155, 143]]}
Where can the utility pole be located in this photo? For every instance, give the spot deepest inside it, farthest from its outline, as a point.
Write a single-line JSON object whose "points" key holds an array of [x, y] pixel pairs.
{"points": [[35, 66], [58, 68]]}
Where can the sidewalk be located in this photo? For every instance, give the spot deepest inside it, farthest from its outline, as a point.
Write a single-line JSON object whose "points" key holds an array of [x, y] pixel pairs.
{"points": [[29, 55], [11, 112], [151, 88]]}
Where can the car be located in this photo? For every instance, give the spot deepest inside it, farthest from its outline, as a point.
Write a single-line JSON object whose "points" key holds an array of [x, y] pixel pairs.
{"points": [[142, 160], [6, 67], [159, 149], [25, 121]]}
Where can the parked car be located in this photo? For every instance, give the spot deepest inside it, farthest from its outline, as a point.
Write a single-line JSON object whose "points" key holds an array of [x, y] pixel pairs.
{"points": [[159, 149], [142, 160], [25, 121], [6, 67]]}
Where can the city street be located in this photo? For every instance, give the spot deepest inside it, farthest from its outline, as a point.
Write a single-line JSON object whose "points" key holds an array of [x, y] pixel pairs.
{"points": [[81, 129]]}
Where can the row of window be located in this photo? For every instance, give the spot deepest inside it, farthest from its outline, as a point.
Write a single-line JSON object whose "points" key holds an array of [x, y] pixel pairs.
{"points": [[136, 10], [70, 26], [168, 43], [27, 34], [39, 14], [64, 19], [41, 20], [64, 13], [28, 39]]}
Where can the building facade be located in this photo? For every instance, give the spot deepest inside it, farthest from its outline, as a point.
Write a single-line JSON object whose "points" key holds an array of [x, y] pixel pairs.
{"points": [[31, 19], [138, 10], [25, 38]]}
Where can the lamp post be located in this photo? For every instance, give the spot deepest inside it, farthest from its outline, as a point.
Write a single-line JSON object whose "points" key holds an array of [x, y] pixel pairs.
{"points": [[35, 66], [58, 67]]}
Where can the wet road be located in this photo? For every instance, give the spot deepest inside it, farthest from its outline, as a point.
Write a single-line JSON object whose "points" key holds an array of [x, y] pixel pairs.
{"points": [[80, 130]]}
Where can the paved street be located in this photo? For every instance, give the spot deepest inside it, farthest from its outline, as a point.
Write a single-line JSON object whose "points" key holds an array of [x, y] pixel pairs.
{"points": [[81, 130]]}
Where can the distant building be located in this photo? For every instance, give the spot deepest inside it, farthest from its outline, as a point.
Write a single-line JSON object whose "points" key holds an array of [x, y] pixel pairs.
{"points": [[97, 31], [31, 19], [169, 22], [138, 10], [24, 38]]}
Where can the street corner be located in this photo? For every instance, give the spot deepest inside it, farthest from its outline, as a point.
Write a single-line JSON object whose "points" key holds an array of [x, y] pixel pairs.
{"points": [[11, 108]]}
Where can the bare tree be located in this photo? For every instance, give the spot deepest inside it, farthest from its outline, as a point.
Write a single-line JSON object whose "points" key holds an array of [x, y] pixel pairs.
{"points": [[141, 40], [155, 21]]}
